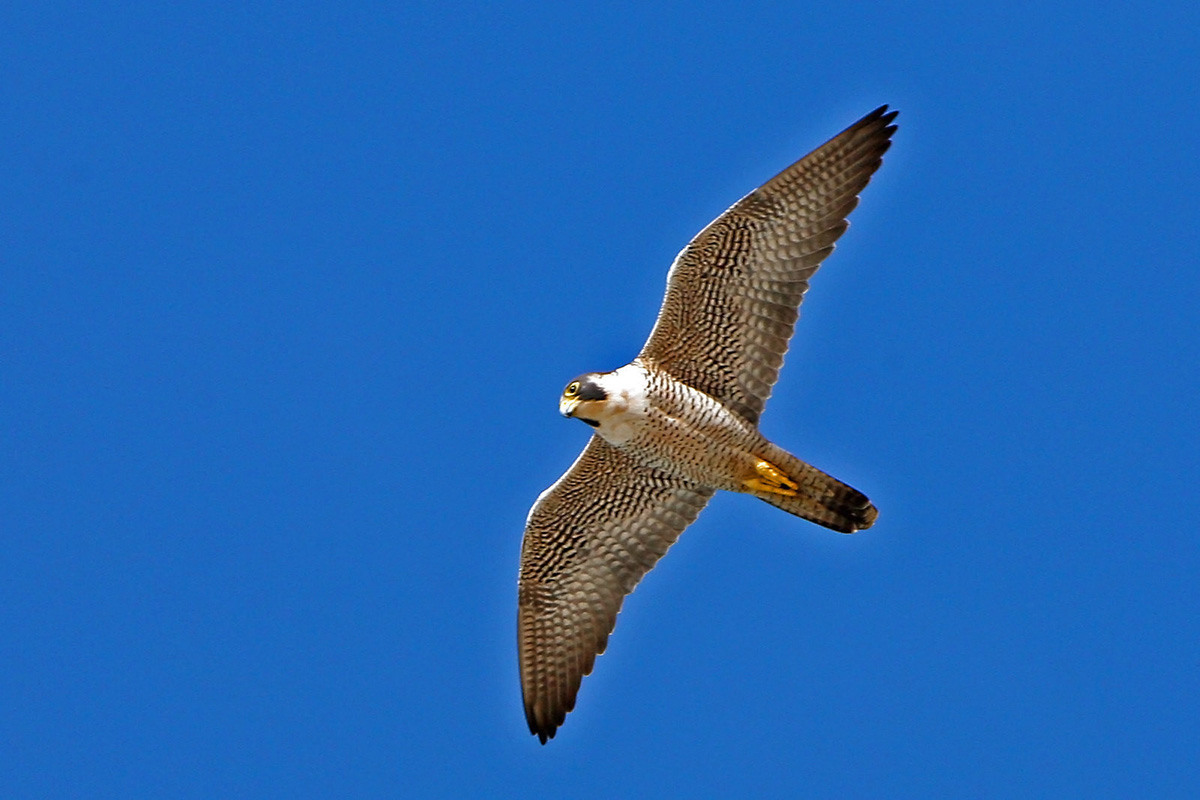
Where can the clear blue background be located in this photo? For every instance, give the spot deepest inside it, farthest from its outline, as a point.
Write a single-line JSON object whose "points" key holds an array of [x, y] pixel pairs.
{"points": [[288, 295]]}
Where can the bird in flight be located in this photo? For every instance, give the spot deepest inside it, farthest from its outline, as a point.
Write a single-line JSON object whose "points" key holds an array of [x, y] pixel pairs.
{"points": [[681, 420]]}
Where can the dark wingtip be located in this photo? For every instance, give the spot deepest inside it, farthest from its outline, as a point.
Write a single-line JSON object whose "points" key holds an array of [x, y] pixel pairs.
{"points": [[882, 117], [543, 731], [882, 114]]}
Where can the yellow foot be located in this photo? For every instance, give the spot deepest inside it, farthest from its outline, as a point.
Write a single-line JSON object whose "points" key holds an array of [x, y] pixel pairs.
{"points": [[770, 479]]}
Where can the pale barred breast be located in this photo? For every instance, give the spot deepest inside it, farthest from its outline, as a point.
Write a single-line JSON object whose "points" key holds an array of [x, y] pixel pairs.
{"points": [[692, 435]]}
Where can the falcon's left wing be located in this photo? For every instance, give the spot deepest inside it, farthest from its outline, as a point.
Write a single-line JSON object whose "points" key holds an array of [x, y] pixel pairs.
{"points": [[733, 292], [589, 539]]}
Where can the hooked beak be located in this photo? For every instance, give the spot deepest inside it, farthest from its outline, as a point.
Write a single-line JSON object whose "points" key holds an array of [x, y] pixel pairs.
{"points": [[567, 407]]}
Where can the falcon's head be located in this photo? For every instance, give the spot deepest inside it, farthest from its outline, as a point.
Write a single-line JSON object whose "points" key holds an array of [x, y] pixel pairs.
{"points": [[584, 399]]}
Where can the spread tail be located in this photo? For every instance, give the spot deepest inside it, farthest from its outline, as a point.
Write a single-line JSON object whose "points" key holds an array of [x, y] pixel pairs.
{"points": [[820, 498]]}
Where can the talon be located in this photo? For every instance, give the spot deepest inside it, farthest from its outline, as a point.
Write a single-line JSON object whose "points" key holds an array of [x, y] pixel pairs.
{"points": [[775, 475], [771, 480]]}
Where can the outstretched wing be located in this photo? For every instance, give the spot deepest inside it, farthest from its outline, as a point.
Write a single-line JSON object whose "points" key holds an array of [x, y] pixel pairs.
{"points": [[733, 292], [589, 539]]}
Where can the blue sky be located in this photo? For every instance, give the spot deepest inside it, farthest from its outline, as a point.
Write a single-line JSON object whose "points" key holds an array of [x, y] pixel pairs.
{"points": [[289, 293]]}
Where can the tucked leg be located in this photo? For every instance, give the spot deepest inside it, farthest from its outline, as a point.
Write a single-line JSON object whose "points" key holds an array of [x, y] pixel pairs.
{"points": [[769, 478]]}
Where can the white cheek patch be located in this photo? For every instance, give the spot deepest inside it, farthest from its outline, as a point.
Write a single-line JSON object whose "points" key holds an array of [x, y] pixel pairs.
{"points": [[626, 409]]}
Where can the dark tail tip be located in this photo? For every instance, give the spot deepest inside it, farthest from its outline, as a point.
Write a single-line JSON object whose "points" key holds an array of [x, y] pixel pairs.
{"points": [[865, 517], [855, 510]]}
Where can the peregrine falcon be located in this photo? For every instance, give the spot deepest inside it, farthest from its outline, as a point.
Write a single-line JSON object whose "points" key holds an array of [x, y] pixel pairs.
{"points": [[681, 420]]}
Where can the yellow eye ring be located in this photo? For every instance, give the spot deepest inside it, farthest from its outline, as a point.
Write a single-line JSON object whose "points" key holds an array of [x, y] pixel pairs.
{"points": [[572, 389]]}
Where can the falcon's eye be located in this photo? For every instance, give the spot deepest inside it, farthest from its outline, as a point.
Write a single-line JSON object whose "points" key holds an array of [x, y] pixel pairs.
{"points": [[572, 390]]}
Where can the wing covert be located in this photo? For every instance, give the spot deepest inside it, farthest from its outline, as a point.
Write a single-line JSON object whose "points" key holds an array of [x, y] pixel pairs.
{"points": [[588, 541], [734, 290]]}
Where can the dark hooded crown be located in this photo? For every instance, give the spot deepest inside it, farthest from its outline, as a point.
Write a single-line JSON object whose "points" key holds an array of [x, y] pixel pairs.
{"points": [[588, 388]]}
